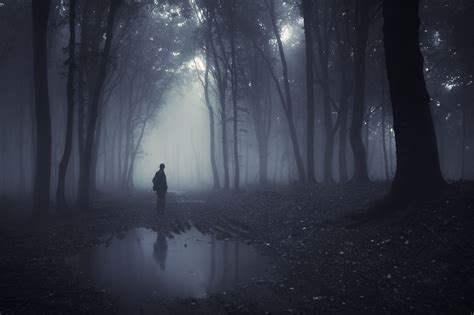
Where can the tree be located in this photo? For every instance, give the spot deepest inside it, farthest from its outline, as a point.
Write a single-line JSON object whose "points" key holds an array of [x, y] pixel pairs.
{"points": [[205, 82], [324, 25], [361, 23], [212, 141], [220, 74], [418, 173], [40, 12], [86, 161], [234, 87], [344, 46], [60, 198], [307, 9], [286, 98]]}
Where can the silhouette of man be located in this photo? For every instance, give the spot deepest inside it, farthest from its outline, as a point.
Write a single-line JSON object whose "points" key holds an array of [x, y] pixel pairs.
{"points": [[161, 187]]}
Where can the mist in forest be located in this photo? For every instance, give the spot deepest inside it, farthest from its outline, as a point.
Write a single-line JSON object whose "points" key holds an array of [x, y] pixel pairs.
{"points": [[236, 156], [218, 91]]}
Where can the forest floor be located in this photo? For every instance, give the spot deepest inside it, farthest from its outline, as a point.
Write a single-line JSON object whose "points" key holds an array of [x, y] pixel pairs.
{"points": [[325, 258]]}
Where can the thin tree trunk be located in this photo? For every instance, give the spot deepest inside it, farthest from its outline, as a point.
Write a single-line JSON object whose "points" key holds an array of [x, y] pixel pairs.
{"points": [[84, 180], [343, 116], [40, 14], [287, 101], [463, 143], [418, 173], [234, 103], [307, 15], [362, 31], [221, 78], [63, 165], [384, 127], [212, 144]]}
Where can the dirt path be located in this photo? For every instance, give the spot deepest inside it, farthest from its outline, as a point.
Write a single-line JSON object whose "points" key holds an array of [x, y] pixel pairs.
{"points": [[422, 263]]}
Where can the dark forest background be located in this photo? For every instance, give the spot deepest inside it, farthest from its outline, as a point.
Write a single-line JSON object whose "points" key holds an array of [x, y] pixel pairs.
{"points": [[295, 92]]}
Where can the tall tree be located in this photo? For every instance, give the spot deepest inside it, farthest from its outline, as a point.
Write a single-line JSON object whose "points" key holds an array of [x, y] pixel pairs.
{"points": [[361, 25], [63, 165], [203, 22], [220, 74], [40, 12], [418, 173], [210, 109], [86, 161], [234, 87], [286, 98], [344, 48], [324, 27], [307, 8]]}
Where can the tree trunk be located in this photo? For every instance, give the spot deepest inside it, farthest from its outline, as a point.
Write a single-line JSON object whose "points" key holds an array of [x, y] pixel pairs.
{"points": [[344, 55], [221, 80], [343, 115], [225, 155], [95, 155], [362, 32], [384, 127], [307, 16], [418, 173], [212, 144], [463, 142], [287, 101], [84, 179], [40, 14], [234, 85], [63, 165]]}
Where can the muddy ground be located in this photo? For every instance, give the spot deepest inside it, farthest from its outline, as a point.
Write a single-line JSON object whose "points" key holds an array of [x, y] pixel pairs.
{"points": [[328, 255]]}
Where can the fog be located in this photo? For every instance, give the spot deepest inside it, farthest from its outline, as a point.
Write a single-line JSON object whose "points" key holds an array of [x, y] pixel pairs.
{"points": [[236, 156], [115, 109], [179, 139]]}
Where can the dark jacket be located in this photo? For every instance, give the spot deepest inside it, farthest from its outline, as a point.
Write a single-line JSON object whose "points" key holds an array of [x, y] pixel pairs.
{"points": [[159, 182]]}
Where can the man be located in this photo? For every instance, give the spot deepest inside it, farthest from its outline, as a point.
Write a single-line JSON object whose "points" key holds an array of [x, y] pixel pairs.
{"points": [[160, 186]]}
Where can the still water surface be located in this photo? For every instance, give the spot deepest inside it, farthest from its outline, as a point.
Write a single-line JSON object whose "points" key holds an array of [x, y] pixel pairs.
{"points": [[144, 265]]}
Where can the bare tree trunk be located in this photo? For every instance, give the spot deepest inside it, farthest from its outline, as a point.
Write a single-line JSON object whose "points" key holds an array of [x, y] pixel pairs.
{"points": [[84, 179], [234, 85], [112, 159], [81, 89], [40, 14], [63, 165], [384, 127], [344, 55], [343, 117], [362, 32], [287, 101], [307, 9], [221, 80], [418, 173], [212, 144], [95, 155]]}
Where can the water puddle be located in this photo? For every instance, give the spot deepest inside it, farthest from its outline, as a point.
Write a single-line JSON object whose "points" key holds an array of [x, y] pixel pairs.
{"points": [[143, 265]]}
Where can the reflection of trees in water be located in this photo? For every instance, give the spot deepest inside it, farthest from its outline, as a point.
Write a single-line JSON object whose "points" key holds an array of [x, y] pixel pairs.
{"points": [[160, 250], [224, 263], [212, 272]]}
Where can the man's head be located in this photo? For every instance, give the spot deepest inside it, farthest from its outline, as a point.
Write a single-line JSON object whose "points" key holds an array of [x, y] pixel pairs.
{"points": [[162, 166]]}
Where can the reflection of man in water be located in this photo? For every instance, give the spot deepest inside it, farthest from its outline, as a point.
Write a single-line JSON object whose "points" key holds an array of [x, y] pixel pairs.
{"points": [[161, 187], [160, 250]]}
